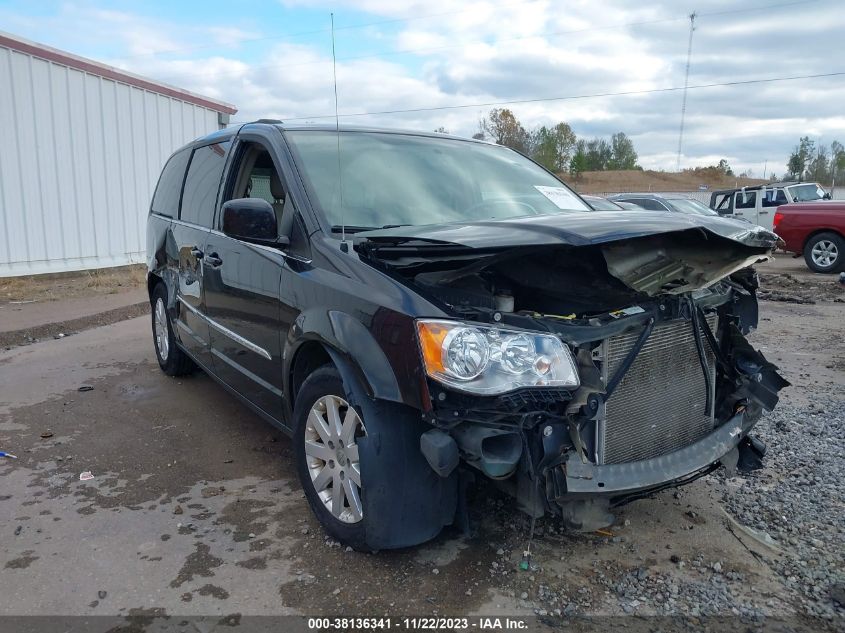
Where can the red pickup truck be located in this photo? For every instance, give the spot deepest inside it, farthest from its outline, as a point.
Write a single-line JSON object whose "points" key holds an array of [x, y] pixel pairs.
{"points": [[816, 230]]}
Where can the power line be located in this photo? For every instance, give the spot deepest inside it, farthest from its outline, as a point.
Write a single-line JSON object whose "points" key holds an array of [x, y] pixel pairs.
{"points": [[740, 82]]}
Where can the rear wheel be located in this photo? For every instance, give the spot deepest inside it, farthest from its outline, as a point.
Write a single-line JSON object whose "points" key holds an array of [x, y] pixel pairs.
{"points": [[326, 431], [172, 360], [825, 253]]}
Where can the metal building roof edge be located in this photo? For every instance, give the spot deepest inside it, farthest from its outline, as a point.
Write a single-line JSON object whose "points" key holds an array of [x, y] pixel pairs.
{"points": [[13, 42]]}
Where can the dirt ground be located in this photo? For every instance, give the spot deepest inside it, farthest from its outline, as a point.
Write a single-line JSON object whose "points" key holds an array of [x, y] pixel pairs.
{"points": [[86, 284], [194, 507], [646, 180], [54, 306]]}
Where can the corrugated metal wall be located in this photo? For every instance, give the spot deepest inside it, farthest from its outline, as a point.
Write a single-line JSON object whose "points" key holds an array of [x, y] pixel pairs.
{"points": [[80, 156]]}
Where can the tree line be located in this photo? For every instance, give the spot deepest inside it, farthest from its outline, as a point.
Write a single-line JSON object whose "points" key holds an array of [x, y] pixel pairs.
{"points": [[559, 150], [556, 147]]}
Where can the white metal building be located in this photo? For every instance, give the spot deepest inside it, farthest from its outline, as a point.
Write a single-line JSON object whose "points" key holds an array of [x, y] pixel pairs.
{"points": [[81, 148]]}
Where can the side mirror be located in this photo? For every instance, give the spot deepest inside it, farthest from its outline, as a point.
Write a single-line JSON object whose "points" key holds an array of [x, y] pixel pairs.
{"points": [[252, 220], [826, 196]]}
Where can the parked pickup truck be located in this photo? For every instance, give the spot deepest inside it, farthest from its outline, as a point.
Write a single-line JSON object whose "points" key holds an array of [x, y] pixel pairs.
{"points": [[757, 204], [816, 230]]}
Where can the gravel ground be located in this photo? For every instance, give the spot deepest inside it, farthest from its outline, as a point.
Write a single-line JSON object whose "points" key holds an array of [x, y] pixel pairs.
{"points": [[797, 502]]}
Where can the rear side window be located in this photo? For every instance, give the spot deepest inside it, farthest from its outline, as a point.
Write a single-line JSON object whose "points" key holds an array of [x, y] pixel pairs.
{"points": [[774, 198], [200, 196], [166, 198]]}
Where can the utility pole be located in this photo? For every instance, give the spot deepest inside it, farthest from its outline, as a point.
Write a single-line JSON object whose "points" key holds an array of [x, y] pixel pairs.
{"points": [[686, 84]]}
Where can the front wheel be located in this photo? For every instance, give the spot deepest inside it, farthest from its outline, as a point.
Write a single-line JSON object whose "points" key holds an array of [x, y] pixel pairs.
{"points": [[326, 433], [825, 253]]}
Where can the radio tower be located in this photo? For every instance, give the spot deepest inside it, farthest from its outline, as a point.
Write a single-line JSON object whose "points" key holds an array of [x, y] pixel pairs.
{"points": [[686, 84]]}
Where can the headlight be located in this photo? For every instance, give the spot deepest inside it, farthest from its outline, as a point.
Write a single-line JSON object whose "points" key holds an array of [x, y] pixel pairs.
{"points": [[491, 360]]}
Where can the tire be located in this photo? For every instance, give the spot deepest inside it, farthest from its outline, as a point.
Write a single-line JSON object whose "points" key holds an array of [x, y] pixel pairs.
{"points": [[327, 460], [825, 253], [171, 358]]}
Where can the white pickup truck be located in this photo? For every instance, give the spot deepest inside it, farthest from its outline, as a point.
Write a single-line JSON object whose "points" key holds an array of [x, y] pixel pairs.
{"points": [[758, 204]]}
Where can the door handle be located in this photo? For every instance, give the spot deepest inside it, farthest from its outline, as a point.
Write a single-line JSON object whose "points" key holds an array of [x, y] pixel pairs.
{"points": [[213, 260], [197, 253]]}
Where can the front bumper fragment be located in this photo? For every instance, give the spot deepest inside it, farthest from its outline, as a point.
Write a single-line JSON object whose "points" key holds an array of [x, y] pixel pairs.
{"points": [[588, 479]]}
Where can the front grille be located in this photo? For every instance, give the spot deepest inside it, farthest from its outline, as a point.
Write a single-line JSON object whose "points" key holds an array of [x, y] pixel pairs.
{"points": [[659, 406]]}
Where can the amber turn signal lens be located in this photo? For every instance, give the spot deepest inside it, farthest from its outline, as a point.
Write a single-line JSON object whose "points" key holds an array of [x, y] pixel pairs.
{"points": [[431, 343]]}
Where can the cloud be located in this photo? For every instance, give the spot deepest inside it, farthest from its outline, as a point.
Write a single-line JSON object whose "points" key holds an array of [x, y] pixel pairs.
{"points": [[441, 54]]}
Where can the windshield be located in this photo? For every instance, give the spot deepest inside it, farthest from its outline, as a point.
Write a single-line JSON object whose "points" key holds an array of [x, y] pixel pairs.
{"points": [[806, 193], [395, 179], [692, 207]]}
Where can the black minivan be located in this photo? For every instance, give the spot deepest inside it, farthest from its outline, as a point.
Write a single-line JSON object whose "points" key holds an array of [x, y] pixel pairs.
{"points": [[418, 309]]}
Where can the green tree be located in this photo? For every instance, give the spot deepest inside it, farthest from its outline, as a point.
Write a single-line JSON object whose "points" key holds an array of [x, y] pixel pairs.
{"points": [[800, 157], [725, 168], [503, 127], [599, 153], [553, 146], [623, 155], [818, 169], [578, 163], [441, 130]]}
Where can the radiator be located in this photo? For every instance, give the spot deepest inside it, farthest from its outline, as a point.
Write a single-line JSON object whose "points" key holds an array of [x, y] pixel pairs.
{"points": [[660, 405]]}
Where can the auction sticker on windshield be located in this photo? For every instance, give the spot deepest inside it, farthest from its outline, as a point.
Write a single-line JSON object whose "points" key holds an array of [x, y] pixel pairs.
{"points": [[561, 197]]}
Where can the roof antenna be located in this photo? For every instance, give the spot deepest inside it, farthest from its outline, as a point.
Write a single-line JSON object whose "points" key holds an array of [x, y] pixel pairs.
{"points": [[344, 246]]}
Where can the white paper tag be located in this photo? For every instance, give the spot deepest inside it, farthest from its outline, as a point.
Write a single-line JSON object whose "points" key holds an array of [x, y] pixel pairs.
{"points": [[626, 312], [561, 197]]}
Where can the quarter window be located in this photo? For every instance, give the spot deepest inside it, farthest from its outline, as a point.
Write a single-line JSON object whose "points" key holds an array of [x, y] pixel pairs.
{"points": [[200, 196], [166, 197]]}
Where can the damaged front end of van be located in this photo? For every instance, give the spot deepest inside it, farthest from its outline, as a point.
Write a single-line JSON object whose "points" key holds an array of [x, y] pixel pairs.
{"points": [[587, 360]]}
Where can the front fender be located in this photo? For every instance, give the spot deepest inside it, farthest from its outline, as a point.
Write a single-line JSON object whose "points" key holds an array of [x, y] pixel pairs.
{"points": [[362, 349], [382, 355]]}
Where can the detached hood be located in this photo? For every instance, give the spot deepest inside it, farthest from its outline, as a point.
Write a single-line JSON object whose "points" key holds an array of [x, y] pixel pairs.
{"points": [[650, 252], [571, 229]]}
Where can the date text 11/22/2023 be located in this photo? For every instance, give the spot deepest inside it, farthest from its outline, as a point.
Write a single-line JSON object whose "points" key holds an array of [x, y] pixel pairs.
{"points": [[418, 624]]}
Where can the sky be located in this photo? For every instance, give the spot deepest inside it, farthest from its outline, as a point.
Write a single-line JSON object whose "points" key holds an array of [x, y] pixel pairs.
{"points": [[273, 59]]}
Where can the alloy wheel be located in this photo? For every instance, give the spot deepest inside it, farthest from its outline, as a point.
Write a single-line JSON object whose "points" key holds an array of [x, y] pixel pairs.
{"points": [[825, 253], [331, 452], [161, 332]]}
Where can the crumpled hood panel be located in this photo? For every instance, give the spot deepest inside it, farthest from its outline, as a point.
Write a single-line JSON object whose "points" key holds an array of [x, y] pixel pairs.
{"points": [[573, 229], [650, 252]]}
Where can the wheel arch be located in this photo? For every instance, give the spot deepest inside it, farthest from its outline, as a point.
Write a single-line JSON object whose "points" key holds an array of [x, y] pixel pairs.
{"points": [[308, 357], [338, 338], [819, 231], [153, 279]]}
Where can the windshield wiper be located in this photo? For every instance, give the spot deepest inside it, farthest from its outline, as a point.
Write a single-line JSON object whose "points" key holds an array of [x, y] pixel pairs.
{"points": [[337, 228], [351, 228]]}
